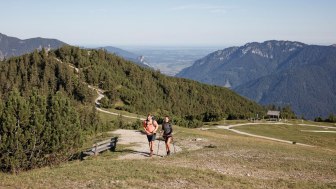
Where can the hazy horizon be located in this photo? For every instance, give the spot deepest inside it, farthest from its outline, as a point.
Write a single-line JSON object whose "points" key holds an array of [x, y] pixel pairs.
{"points": [[171, 23]]}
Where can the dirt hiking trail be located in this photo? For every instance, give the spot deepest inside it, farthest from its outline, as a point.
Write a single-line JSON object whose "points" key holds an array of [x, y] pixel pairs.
{"points": [[139, 148]]}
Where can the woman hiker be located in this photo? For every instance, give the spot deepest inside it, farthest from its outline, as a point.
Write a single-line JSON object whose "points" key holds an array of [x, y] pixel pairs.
{"points": [[150, 126], [167, 133]]}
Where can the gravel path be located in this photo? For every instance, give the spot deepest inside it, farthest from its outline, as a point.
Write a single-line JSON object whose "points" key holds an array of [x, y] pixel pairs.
{"points": [[318, 131], [139, 145], [230, 127], [320, 126], [100, 93], [140, 148]]}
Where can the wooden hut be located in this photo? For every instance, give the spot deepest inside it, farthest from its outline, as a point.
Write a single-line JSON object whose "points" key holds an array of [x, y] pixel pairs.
{"points": [[273, 115]]}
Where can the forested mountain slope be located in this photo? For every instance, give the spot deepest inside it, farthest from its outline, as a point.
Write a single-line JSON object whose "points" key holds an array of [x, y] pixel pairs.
{"points": [[45, 111], [275, 72], [46, 106], [141, 90]]}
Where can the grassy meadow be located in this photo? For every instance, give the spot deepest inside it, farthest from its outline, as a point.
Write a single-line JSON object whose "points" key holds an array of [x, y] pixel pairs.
{"points": [[296, 133], [218, 159]]}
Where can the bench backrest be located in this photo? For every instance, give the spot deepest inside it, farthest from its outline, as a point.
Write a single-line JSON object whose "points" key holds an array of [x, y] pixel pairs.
{"points": [[114, 139]]}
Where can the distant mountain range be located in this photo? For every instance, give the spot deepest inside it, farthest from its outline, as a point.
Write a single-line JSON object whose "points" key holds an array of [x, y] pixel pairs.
{"points": [[275, 72], [12, 46], [138, 59]]}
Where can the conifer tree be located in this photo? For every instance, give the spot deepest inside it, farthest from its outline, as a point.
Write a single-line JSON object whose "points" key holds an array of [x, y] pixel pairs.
{"points": [[64, 125], [14, 120], [37, 126]]}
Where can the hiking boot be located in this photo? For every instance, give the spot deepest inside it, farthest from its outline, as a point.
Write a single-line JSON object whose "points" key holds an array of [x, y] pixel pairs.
{"points": [[168, 153]]}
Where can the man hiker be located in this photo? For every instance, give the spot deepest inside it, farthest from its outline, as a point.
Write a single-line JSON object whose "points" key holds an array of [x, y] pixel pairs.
{"points": [[150, 126], [167, 133]]}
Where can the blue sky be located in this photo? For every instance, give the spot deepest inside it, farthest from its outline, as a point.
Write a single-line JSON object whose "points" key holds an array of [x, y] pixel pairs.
{"points": [[170, 22]]}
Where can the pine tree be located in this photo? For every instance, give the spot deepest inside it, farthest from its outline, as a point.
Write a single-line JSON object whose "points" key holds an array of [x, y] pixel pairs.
{"points": [[65, 133], [1, 130], [37, 126], [14, 120], [33, 70]]}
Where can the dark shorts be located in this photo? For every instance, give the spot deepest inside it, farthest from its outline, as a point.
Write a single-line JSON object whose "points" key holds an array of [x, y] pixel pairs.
{"points": [[166, 137], [151, 138]]}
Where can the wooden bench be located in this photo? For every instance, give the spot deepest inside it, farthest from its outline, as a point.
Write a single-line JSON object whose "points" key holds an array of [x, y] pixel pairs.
{"points": [[101, 146]]}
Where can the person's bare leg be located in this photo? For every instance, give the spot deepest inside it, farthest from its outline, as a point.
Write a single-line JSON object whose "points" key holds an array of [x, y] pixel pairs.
{"points": [[151, 148], [168, 145]]}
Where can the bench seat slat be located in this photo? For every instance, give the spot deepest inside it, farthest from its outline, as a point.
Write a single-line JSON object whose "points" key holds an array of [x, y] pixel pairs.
{"points": [[106, 141], [101, 146]]}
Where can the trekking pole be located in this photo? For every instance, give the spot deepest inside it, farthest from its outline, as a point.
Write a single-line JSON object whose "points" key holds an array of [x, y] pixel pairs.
{"points": [[157, 153], [174, 145]]}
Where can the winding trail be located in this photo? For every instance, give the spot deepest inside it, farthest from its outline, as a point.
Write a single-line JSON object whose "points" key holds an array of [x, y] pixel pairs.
{"points": [[139, 148], [70, 65], [101, 95], [262, 137], [320, 126], [318, 131], [231, 128], [138, 140]]}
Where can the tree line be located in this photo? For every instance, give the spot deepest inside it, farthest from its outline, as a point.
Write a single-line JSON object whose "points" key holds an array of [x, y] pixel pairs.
{"points": [[331, 119], [45, 112], [47, 109], [142, 90]]}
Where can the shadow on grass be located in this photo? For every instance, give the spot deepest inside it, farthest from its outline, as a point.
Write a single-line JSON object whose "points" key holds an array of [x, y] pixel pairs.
{"points": [[129, 151], [80, 156], [142, 153]]}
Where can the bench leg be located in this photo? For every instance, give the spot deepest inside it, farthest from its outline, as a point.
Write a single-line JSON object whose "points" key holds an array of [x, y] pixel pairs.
{"points": [[96, 151]]}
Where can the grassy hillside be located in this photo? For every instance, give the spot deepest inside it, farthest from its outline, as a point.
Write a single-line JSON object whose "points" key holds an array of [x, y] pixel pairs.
{"points": [[234, 162]]}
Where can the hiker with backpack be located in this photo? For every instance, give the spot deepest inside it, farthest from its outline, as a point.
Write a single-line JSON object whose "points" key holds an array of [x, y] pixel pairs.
{"points": [[167, 133], [150, 127]]}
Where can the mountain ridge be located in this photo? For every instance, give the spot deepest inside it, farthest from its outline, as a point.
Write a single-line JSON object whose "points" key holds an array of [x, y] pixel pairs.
{"points": [[228, 61], [12, 46], [257, 70], [137, 59]]}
